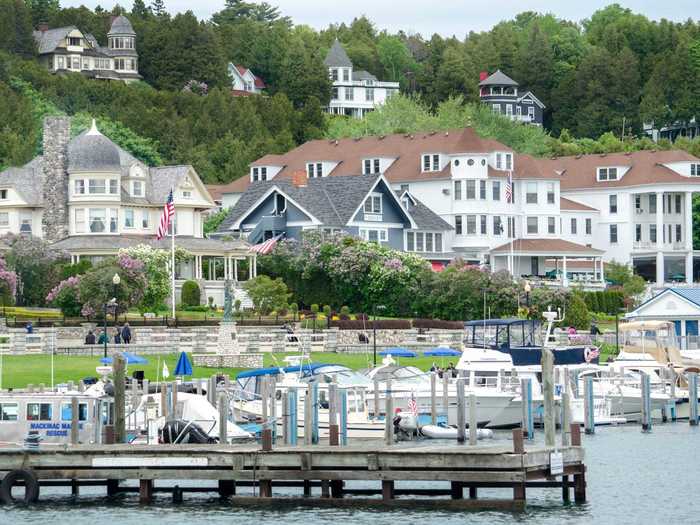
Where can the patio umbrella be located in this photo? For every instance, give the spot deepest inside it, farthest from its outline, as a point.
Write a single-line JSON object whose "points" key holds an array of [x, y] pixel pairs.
{"points": [[183, 367], [397, 352], [131, 359], [442, 352]]}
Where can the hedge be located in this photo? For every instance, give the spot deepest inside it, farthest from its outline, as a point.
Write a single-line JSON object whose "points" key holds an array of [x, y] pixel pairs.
{"points": [[438, 324], [190, 293], [379, 324], [607, 302]]}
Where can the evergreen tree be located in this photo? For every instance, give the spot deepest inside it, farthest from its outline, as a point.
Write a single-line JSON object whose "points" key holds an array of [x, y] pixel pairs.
{"points": [[158, 8], [139, 9]]}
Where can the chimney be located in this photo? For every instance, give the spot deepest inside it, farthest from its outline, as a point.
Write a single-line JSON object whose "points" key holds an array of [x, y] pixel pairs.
{"points": [[55, 177], [43, 27], [299, 179], [483, 76]]}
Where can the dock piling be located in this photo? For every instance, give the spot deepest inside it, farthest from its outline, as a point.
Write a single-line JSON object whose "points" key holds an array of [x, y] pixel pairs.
{"points": [[693, 398], [315, 438], [333, 414], [446, 394], [223, 419], [164, 400], [518, 448], [74, 420], [308, 416], [389, 418], [343, 395], [528, 423], [376, 399], [286, 430], [461, 423], [472, 420], [293, 398], [646, 403], [565, 420], [588, 406], [119, 364], [145, 491], [672, 379], [433, 398], [173, 398], [548, 392]]}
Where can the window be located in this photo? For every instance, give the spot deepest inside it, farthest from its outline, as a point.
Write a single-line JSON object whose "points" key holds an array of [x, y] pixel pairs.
{"points": [[369, 94], [438, 242], [96, 186], [695, 170], [482, 221], [509, 109], [550, 193], [334, 94], [38, 411], [496, 108], [607, 174], [499, 161], [370, 166], [531, 113], [373, 204], [496, 190], [349, 93], [509, 161], [471, 224], [9, 411], [678, 203], [113, 186], [531, 193], [431, 162], [458, 224], [346, 75], [471, 189], [419, 241], [551, 225], [410, 242], [678, 233], [497, 225], [638, 232], [334, 74], [98, 220], [25, 220], [589, 226], [73, 41], [482, 190], [186, 194], [128, 218], [573, 226], [458, 190], [67, 412], [652, 203], [76, 63], [613, 234], [79, 187], [144, 219], [259, 174], [613, 203], [652, 233], [79, 220], [428, 242], [60, 62], [511, 227], [532, 225], [314, 170], [638, 203], [404, 187], [137, 188]]}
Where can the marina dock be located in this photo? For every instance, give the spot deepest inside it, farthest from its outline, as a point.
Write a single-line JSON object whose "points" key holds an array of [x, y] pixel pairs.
{"points": [[321, 471]]}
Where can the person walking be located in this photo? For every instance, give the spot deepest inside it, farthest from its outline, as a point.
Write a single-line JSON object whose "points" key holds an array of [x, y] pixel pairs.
{"points": [[103, 338], [90, 338], [117, 336], [126, 334]]}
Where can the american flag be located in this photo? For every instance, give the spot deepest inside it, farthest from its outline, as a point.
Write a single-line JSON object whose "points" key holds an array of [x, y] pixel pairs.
{"points": [[266, 247], [509, 187], [166, 216], [413, 405]]}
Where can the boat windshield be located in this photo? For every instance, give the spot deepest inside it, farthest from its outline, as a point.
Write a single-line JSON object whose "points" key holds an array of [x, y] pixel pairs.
{"points": [[504, 334]]}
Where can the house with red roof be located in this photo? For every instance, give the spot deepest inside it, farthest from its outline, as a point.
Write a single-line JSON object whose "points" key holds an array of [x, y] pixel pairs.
{"points": [[243, 81]]}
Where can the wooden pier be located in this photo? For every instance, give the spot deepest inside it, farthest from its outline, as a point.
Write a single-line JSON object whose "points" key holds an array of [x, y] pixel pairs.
{"points": [[320, 470]]}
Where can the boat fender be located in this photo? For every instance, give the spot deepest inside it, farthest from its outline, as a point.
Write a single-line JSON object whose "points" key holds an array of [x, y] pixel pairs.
{"points": [[31, 486]]}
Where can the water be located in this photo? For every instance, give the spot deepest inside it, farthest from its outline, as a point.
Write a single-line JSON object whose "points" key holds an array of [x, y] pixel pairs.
{"points": [[632, 478]]}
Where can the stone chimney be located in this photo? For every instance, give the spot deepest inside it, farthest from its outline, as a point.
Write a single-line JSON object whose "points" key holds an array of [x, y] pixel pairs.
{"points": [[299, 179], [55, 180]]}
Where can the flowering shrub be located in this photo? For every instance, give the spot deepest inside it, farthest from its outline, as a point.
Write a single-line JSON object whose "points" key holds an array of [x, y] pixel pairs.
{"points": [[95, 287], [8, 282], [66, 296], [196, 87]]}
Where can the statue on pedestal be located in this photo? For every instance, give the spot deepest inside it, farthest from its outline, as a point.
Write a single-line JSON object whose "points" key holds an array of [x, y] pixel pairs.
{"points": [[228, 302]]}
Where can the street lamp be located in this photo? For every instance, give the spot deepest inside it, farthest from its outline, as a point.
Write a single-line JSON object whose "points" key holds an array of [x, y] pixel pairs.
{"points": [[374, 329], [112, 303], [527, 289]]}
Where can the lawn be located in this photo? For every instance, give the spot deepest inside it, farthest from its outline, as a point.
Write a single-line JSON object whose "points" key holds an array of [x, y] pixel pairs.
{"points": [[19, 371]]}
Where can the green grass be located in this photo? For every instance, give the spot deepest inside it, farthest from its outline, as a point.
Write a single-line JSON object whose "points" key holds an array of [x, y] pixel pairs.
{"points": [[19, 371]]}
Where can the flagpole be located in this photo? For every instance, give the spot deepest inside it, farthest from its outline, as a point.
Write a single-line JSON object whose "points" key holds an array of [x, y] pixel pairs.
{"points": [[172, 259]]}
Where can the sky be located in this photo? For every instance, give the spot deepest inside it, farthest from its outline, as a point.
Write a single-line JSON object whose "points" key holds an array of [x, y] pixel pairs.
{"points": [[446, 17]]}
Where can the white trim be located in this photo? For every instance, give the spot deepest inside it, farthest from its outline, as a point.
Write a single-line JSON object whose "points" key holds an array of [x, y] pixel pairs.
{"points": [[237, 223], [392, 194]]}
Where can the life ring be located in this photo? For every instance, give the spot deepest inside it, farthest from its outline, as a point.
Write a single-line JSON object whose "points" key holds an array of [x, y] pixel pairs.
{"points": [[31, 486]]}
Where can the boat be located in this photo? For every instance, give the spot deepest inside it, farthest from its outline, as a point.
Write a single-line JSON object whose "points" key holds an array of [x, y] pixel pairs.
{"points": [[448, 432]]}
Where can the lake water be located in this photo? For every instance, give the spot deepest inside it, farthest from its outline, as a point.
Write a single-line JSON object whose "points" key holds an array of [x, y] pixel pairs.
{"points": [[632, 478]]}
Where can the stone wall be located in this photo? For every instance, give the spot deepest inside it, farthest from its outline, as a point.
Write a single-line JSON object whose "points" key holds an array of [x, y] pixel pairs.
{"points": [[244, 360], [55, 178]]}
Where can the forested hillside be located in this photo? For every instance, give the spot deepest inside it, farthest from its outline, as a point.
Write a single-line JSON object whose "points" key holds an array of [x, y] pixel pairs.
{"points": [[591, 74]]}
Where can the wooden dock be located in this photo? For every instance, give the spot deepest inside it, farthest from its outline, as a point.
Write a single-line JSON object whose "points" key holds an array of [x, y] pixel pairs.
{"points": [[320, 470]]}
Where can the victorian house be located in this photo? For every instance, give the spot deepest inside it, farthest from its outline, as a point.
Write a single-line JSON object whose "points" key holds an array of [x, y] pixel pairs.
{"points": [[504, 96], [67, 49], [90, 198], [244, 81]]}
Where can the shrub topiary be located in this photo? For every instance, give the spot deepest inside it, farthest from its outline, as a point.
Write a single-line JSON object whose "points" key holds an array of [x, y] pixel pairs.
{"points": [[190, 293]]}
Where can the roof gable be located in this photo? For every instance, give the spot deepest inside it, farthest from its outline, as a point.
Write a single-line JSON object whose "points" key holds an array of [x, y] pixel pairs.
{"points": [[337, 57], [498, 79]]}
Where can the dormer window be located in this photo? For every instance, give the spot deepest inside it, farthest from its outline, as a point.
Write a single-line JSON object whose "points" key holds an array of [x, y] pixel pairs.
{"points": [[137, 188], [373, 204], [370, 166], [186, 194], [499, 161], [258, 173], [314, 170], [605, 174], [74, 41], [509, 161], [431, 162], [695, 170]]}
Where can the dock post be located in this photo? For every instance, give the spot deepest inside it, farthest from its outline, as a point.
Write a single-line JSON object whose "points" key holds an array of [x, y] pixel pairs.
{"points": [[343, 417], [119, 364], [387, 489], [293, 419], [333, 414], [199, 388], [461, 423], [74, 421], [265, 488], [446, 395], [548, 391], [672, 379], [388, 420], [145, 491], [146, 384], [211, 390], [227, 488], [285, 417], [530, 418], [433, 398], [164, 400], [646, 403], [173, 398], [308, 416], [588, 407], [472, 420], [457, 490], [376, 399], [112, 487], [266, 428], [223, 419], [693, 398], [74, 488], [314, 414], [518, 448], [565, 419]]}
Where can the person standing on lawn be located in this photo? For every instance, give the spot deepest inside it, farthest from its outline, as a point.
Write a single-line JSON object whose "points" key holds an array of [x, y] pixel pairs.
{"points": [[102, 338], [126, 334]]}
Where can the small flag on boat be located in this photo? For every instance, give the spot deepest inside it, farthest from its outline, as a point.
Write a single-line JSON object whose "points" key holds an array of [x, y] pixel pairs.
{"points": [[413, 405], [166, 372], [166, 216], [266, 247]]}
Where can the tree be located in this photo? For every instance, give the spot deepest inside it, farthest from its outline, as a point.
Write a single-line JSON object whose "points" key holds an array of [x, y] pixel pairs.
{"points": [[267, 294], [617, 273], [37, 267], [96, 288], [158, 8], [190, 293], [577, 313], [66, 296], [213, 221], [139, 9], [394, 57]]}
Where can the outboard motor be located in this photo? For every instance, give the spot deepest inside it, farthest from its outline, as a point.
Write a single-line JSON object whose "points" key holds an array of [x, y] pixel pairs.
{"points": [[405, 426], [177, 431]]}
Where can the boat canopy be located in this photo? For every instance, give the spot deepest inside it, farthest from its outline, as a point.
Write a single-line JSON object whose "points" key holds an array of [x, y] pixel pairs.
{"points": [[306, 369], [503, 334], [644, 325]]}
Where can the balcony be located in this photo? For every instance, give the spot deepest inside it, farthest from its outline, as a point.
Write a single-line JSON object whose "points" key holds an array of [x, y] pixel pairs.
{"points": [[274, 223], [653, 246]]}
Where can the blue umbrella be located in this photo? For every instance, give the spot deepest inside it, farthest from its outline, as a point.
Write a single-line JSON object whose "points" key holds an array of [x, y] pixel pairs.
{"points": [[131, 359], [442, 352], [397, 352], [183, 367]]}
